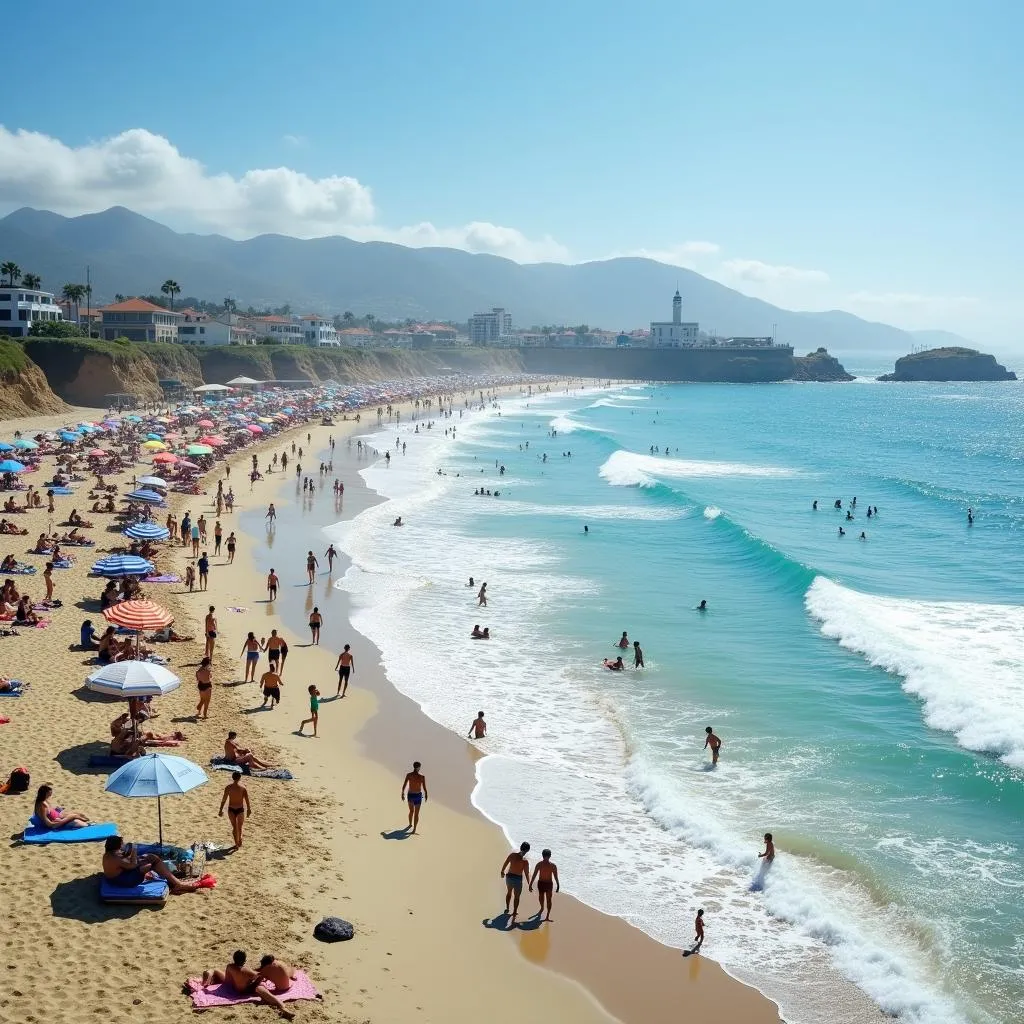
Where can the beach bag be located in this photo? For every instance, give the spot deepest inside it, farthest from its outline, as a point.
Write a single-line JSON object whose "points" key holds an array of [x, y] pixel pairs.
{"points": [[17, 782], [333, 929]]}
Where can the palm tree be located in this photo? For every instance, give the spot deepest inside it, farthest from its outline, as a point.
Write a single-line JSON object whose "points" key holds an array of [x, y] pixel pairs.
{"points": [[119, 297], [230, 306], [170, 288], [348, 316], [12, 270], [32, 281], [73, 293]]}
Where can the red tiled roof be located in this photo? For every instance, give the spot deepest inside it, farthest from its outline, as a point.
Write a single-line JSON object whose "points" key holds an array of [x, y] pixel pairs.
{"points": [[137, 306], [274, 320]]}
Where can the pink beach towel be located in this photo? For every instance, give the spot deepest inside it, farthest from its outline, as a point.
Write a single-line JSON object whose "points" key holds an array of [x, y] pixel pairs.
{"points": [[226, 995]]}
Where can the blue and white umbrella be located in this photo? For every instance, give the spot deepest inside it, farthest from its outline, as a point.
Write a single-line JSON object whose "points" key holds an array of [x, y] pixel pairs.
{"points": [[144, 495], [156, 775], [153, 481], [128, 679], [123, 565], [147, 531]]}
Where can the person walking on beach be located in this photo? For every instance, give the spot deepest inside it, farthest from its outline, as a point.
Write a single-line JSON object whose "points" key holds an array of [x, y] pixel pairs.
{"points": [[201, 523], [270, 681], [316, 620], [514, 869], [698, 931], [272, 582], [251, 653], [714, 743], [195, 540], [478, 730], [231, 546], [330, 554], [236, 798], [271, 514], [275, 647], [481, 597], [314, 710], [190, 577], [210, 631], [638, 655], [218, 536], [545, 874], [345, 667], [416, 784], [204, 684], [204, 570], [311, 566]]}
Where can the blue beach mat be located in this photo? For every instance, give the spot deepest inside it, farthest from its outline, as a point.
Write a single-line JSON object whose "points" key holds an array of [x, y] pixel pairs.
{"points": [[40, 835], [19, 689], [146, 893]]}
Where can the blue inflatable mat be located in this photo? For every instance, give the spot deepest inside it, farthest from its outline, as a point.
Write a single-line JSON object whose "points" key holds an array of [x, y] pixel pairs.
{"points": [[148, 892], [41, 835]]}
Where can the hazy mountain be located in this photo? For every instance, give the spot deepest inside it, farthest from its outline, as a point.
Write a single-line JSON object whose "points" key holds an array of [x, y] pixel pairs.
{"points": [[131, 254]]}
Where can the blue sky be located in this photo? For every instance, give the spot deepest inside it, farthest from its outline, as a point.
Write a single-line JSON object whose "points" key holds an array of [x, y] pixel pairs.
{"points": [[866, 157]]}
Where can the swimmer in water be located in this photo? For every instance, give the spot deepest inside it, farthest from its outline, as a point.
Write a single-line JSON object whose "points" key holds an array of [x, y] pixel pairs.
{"points": [[703, 606], [614, 666], [586, 529], [478, 730], [623, 641], [815, 505], [769, 849], [638, 655], [863, 535], [842, 532], [714, 743]]}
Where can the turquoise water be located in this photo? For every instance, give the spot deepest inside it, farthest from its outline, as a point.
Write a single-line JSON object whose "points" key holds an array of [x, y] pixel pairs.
{"points": [[870, 693]]}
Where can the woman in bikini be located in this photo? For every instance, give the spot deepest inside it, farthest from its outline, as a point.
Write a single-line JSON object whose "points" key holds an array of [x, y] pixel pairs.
{"points": [[231, 547], [251, 652], [204, 684], [236, 797], [56, 817]]}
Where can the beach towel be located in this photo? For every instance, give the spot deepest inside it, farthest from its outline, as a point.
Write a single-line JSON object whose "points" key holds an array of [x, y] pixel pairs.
{"points": [[38, 833], [282, 774], [62, 563], [231, 608], [146, 893], [227, 995], [17, 691], [21, 570], [166, 578], [61, 490]]}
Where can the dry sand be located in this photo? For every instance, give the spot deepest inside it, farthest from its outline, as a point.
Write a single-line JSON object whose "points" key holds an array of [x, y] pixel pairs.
{"points": [[314, 847]]}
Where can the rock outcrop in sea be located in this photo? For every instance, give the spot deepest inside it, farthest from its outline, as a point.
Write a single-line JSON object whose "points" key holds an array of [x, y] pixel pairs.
{"points": [[949, 364]]}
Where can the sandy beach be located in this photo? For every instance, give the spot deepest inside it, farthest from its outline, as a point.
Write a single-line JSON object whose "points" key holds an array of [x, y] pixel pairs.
{"points": [[430, 941]]}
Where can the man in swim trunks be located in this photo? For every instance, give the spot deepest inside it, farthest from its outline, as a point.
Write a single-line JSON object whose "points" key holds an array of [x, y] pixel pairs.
{"points": [[545, 874], [272, 582], [416, 784], [515, 868], [277, 972], [330, 554], [275, 647], [236, 797], [246, 982], [242, 755], [270, 681], [124, 867], [714, 743], [478, 730], [346, 666], [210, 626], [638, 655]]}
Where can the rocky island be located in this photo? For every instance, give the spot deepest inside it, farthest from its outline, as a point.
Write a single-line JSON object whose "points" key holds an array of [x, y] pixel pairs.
{"points": [[949, 364], [819, 366]]}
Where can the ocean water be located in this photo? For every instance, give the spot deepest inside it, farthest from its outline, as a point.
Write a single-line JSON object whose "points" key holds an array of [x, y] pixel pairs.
{"points": [[870, 693]]}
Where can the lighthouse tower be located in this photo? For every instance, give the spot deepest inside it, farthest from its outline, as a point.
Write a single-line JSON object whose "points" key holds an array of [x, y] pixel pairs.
{"points": [[674, 333], [677, 308]]}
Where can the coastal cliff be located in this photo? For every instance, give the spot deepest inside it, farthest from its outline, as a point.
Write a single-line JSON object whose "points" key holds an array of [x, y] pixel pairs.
{"points": [[23, 386], [948, 364], [819, 366]]}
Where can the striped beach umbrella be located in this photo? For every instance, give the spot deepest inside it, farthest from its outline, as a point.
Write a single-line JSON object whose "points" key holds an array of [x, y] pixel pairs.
{"points": [[147, 531], [123, 565], [144, 495], [141, 614], [128, 679]]}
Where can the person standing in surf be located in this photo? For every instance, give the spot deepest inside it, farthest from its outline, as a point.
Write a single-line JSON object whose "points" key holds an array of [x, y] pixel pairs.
{"points": [[638, 655], [713, 742], [311, 565], [769, 849]]}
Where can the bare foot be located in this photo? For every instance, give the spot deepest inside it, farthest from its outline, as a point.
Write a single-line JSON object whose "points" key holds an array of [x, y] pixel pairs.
{"points": [[206, 978]]}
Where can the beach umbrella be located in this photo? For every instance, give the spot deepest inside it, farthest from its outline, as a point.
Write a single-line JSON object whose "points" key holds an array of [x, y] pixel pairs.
{"points": [[204, 423], [11, 466], [199, 449], [156, 775], [166, 458], [25, 444], [97, 453], [266, 419], [184, 464], [70, 436], [143, 495], [254, 428], [128, 679], [211, 439], [5, 447], [153, 481], [147, 531], [154, 437], [154, 446], [141, 614], [124, 565]]}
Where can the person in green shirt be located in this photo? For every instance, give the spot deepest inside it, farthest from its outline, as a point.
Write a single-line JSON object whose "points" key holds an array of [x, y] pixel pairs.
{"points": [[314, 710]]}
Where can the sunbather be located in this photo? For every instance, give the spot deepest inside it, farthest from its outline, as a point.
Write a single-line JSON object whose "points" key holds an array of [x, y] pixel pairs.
{"points": [[123, 866], [8, 685], [56, 817], [247, 982], [242, 755]]}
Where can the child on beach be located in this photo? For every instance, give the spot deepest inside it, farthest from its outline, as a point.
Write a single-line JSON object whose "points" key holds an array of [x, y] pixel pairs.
{"points": [[314, 710], [478, 730], [545, 875], [190, 577], [698, 928], [769, 849]]}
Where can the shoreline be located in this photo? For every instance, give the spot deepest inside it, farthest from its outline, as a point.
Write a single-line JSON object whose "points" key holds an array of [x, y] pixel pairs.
{"points": [[588, 946]]}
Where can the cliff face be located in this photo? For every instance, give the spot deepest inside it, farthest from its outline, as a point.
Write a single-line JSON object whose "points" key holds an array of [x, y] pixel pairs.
{"points": [[24, 390], [83, 372], [949, 364], [819, 366]]}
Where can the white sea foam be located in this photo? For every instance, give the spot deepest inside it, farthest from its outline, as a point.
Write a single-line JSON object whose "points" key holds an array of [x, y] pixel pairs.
{"points": [[584, 512], [964, 661], [712, 512], [618, 401], [631, 469]]}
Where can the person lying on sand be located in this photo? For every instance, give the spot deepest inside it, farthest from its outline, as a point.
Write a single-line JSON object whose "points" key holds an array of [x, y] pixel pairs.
{"points": [[167, 635], [123, 866], [242, 755], [56, 817], [246, 982]]}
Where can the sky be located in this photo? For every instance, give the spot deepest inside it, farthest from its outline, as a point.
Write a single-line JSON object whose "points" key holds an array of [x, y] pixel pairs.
{"points": [[867, 157]]}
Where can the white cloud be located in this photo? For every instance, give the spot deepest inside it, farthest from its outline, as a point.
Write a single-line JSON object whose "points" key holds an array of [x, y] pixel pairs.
{"points": [[769, 273], [684, 254], [148, 174], [911, 300], [294, 140]]}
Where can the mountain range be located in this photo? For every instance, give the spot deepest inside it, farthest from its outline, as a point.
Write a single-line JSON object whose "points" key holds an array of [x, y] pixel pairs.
{"points": [[133, 255]]}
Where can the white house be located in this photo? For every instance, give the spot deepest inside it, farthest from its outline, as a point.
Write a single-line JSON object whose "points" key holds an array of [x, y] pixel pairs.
{"points": [[319, 332], [21, 307], [674, 333], [282, 329], [223, 330], [356, 337]]}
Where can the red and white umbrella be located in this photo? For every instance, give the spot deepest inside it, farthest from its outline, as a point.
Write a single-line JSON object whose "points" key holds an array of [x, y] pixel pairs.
{"points": [[139, 615]]}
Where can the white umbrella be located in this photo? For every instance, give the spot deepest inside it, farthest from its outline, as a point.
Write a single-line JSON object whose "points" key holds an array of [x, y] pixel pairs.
{"points": [[128, 679], [153, 481]]}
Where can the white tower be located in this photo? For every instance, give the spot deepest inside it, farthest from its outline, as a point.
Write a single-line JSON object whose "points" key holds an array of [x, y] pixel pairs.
{"points": [[677, 308]]}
